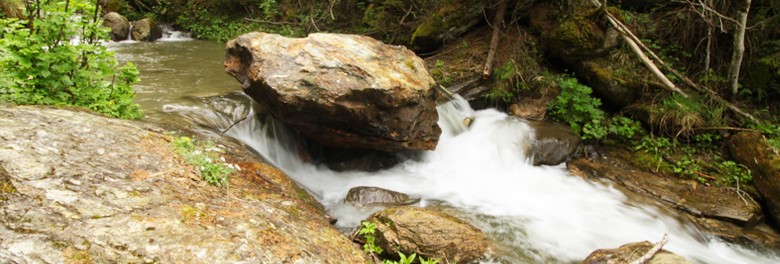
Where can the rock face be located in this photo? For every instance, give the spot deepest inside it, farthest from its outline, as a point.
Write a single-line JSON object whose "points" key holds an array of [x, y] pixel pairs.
{"points": [[343, 91], [451, 20], [553, 143], [630, 252], [720, 211], [430, 234], [118, 24], [80, 188], [752, 150], [146, 30], [367, 196]]}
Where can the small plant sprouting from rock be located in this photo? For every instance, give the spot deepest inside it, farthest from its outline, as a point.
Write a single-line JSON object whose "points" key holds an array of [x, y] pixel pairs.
{"points": [[368, 231], [204, 156]]}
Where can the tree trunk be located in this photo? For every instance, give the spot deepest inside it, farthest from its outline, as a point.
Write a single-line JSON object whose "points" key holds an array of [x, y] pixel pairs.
{"points": [[739, 49], [498, 25]]}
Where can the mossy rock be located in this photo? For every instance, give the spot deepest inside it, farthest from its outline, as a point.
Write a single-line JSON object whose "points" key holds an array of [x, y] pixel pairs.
{"points": [[450, 20], [617, 85], [582, 35]]}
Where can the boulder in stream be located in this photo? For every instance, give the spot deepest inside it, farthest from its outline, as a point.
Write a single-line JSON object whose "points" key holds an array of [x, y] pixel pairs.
{"points": [[76, 187], [430, 234], [367, 196], [752, 150], [553, 143], [631, 252], [342, 91], [119, 25], [146, 30]]}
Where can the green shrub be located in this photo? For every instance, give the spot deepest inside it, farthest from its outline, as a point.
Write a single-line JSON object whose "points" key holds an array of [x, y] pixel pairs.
{"points": [[57, 59], [577, 108]]}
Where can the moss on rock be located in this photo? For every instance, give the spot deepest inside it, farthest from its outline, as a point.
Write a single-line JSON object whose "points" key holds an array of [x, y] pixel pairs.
{"points": [[450, 20]]}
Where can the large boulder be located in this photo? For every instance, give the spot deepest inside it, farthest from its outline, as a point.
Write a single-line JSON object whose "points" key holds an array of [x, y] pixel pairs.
{"points": [[629, 253], [343, 91], [751, 149], [553, 143], [430, 234], [119, 25], [81, 188], [367, 196], [146, 30]]}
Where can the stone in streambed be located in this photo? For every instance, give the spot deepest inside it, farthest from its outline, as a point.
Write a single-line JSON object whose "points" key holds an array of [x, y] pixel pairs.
{"points": [[553, 143], [341, 91], [751, 149], [146, 30], [631, 252], [119, 25], [429, 234], [362, 196]]}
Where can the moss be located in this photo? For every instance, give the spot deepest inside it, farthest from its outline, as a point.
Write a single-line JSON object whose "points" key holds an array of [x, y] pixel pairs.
{"points": [[75, 256], [577, 35], [449, 20]]}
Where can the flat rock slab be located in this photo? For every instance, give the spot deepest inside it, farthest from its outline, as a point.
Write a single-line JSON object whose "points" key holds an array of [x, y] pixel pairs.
{"points": [[343, 91], [721, 211], [82, 188]]}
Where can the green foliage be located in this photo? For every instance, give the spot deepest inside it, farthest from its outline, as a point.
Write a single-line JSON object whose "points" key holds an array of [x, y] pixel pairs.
{"points": [[680, 115], [771, 132], [694, 160], [438, 73], [368, 231], [57, 59], [204, 156]]}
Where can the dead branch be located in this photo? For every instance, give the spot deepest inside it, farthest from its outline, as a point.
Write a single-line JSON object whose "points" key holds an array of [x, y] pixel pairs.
{"points": [[498, 22], [654, 250], [234, 124], [269, 22]]}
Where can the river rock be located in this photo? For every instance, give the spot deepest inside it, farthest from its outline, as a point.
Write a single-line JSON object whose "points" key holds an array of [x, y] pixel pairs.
{"points": [[430, 234], [76, 187], [146, 30], [343, 91], [720, 211], [119, 25], [553, 143], [630, 252], [752, 150], [367, 196]]}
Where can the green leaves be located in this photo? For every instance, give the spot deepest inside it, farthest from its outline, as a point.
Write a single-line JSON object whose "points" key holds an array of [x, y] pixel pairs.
{"points": [[61, 62]]}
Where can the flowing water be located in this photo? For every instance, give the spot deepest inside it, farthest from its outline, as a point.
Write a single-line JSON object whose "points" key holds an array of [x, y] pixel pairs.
{"points": [[536, 214]]}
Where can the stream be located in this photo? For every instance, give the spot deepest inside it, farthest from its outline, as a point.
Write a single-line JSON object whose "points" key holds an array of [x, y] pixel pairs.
{"points": [[535, 214]]}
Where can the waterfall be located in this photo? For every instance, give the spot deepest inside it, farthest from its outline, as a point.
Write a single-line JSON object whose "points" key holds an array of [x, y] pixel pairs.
{"points": [[537, 213], [130, 33], [169, 34]]}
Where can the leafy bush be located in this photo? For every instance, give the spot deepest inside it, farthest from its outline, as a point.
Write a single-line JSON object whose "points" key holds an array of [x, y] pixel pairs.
{"points": [[203, 156], [577, 108], [368, 231], [56, 59]]}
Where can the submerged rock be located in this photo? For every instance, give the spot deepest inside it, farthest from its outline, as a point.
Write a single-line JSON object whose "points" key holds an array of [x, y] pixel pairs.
{"points": [[752, 150], [119, 25], [553, 143], [631, 252], [430, 234], [77, 186], [367, 196], [343, 91]]}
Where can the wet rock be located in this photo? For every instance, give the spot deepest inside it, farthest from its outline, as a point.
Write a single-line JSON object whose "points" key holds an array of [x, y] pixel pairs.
{"points": [[553, 143], [752, 150], [449, 21], [119, 25], [720, 211], [81, 186], [430, 234], [630, 252], [146, 30], [530, 108], [338, 159], [342, 91], [367, 196]]}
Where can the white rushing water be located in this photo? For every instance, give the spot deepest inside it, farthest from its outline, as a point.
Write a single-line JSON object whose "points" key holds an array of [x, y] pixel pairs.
{"points": [[535, 213]]}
